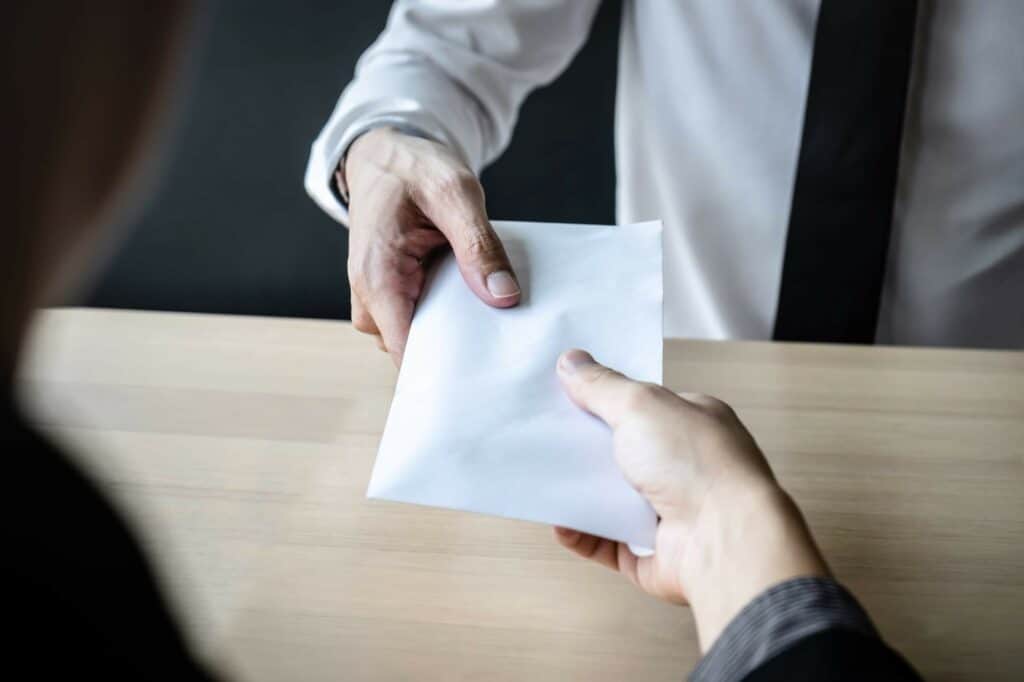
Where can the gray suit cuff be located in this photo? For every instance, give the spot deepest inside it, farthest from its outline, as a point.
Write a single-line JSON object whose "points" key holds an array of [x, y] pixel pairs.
{"points": [[776, 619]]}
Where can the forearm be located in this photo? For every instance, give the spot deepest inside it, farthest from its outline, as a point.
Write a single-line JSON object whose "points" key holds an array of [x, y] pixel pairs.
{"points": [[761, 591], [746, 539]]}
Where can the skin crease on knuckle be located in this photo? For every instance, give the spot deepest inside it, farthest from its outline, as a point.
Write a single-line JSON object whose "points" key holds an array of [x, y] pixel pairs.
{"points": [[454, 182], [639, 398], [453, 195], [481, 246], [442, 186], [596, 374]]}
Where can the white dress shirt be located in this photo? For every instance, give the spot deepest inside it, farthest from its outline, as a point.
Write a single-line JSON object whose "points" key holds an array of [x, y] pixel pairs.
{"points": [[709, 111]]}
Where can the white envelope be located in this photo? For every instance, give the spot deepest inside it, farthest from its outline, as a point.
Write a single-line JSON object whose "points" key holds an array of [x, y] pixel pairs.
{"points": [[479, 421]]}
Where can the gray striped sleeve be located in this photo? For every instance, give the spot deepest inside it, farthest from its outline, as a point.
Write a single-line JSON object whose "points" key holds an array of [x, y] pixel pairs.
{"points": [[776, 619]]}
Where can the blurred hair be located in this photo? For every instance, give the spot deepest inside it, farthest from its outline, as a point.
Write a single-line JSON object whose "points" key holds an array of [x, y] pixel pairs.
{"points": [[84, 85]]}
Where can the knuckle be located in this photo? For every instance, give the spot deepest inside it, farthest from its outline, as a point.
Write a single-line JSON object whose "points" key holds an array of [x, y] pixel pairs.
{"points": [[363, 323], [596, 374], [381, 280], [718, 409], [640, 397], [710, 431], [482, 246], [454, 184]]}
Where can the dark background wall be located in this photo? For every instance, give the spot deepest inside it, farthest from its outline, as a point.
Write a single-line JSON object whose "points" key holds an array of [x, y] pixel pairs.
{"points": [[230, 229]]}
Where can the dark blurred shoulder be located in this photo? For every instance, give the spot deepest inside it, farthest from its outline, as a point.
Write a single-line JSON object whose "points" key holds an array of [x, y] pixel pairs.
{"points": [[81, 591]]}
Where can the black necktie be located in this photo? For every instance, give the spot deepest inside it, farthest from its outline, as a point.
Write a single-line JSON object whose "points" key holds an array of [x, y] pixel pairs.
{"points": [[841, 215]]}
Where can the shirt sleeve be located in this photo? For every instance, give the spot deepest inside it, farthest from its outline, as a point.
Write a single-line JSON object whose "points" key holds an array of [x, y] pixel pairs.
{"points": [[777, 619], [453, 71]]}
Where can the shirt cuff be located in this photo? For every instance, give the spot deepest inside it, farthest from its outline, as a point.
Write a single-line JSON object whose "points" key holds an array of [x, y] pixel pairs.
{"points": [[775, 620]]}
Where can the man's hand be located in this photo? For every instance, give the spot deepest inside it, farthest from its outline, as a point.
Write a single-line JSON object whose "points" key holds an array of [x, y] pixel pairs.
{"points": [[408, 197], [727, 531]]}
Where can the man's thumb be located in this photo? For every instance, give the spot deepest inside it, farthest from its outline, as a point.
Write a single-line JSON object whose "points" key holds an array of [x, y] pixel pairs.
{"points": [[485, 266], [597, 389]]}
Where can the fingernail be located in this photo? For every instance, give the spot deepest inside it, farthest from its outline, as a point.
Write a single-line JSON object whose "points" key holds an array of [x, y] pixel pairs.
{"points": [[502, 284], [573, 360]]}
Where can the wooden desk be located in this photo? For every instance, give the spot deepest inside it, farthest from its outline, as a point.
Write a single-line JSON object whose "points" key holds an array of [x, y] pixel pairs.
{"points": [[242, 447]]}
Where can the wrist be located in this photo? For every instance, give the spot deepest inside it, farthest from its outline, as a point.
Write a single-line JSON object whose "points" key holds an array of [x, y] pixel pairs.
{"points": [[745, 540], [372, 146], [372, 159]]}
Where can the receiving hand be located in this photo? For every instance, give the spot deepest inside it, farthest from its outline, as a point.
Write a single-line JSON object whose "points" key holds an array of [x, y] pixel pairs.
{"points": [[408, 197], [727, 530]]}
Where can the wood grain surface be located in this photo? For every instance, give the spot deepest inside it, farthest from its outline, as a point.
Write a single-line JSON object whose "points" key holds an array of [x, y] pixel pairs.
{"points": [[241, 448]]}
